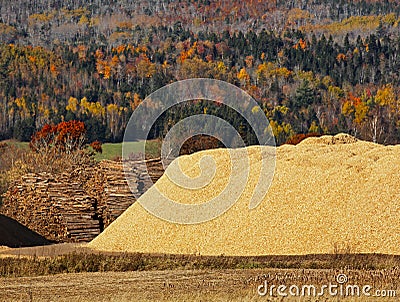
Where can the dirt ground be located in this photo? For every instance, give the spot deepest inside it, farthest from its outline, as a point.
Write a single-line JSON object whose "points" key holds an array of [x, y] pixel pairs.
{"points": [[130, 286], [180, 285]]}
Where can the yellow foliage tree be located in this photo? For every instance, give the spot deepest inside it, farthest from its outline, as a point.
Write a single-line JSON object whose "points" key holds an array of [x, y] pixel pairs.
{"points": [[385, 96], [243, 76], [72, 105]]}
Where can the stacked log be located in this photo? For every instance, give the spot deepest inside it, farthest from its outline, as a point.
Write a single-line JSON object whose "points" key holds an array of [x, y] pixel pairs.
{"points": [[56, 208], [77, 205], [119, 196], [155, 168]]}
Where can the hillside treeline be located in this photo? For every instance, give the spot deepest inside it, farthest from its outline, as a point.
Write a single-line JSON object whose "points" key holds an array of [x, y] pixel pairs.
{"points": [[312, 70]]}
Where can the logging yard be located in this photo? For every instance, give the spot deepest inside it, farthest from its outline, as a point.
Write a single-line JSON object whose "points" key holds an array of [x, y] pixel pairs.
{"points": [[84, 237], [213, 150]]}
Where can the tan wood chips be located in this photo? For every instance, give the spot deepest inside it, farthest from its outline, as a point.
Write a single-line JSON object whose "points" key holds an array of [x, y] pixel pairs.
{"points": [[329, 194]]}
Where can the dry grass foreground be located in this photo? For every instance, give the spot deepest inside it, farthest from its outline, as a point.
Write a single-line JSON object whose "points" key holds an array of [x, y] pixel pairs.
{"points": [[183, 285], [328, 194]]}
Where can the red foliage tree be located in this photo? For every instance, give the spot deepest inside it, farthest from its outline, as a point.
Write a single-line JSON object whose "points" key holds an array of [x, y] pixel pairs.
{"points": [[296, 139], [96, 146], [200, 142], [63, 137]]}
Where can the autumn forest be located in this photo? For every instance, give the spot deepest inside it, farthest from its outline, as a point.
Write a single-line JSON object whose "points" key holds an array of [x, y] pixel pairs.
{"points": [[314, 66]]}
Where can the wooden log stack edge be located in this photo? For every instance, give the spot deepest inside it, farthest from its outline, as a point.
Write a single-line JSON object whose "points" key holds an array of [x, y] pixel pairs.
{"points": [[77, 205]]}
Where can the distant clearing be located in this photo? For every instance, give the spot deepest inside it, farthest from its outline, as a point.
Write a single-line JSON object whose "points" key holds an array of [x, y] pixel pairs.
{"points": [[110, 150]]}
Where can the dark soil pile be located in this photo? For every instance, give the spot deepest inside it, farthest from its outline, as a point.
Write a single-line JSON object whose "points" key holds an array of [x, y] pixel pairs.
{"points": [[14, 234]]}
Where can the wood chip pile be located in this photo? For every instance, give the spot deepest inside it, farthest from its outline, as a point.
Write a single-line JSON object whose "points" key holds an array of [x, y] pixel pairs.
{"points": [[74, 206], [328, 195]]}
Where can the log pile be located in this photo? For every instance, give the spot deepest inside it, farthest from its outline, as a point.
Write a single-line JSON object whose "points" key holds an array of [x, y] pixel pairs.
{"points": [[118, 195], [57, 208], [77, 205]]}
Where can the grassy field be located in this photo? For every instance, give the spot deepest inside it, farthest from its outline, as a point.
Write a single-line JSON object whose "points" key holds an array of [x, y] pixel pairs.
{"points": [[73, 258], [111, 151], [68, 272], [178, 286], [114, 151], [71, 272], [22, 145]]}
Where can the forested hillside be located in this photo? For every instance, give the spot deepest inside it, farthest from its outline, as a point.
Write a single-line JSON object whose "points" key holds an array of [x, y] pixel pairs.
{"points": [[314, 66]]}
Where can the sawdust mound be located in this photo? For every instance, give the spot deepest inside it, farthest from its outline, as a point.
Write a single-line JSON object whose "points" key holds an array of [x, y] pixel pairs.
{"points": [[340, 138], [329, 194]]}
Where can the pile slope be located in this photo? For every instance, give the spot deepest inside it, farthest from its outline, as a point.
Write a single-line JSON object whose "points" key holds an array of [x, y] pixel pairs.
{"points": [[13, 234], [329, 194]]}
